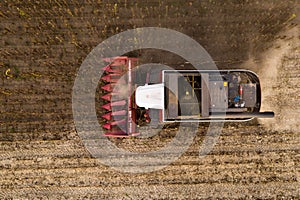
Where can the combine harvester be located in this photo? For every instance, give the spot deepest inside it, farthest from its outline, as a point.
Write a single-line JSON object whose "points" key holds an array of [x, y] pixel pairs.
{"points": [[156, 97]]}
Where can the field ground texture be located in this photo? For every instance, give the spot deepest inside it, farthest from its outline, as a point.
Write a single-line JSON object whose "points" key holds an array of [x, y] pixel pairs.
{"points": [[43, 44]]}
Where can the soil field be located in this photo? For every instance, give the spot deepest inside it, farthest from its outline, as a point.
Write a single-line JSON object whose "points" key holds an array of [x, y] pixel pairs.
{"points": [[42, 45]]}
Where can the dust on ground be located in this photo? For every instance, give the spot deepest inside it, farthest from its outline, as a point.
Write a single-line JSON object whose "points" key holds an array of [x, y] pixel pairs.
{"points": [[278, 69]]}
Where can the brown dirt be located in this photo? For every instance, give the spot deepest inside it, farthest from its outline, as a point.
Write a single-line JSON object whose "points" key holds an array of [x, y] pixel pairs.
{"points": [[43, 44]]}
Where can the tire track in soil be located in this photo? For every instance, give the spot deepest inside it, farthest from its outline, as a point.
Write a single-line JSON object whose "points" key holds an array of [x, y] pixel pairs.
{"points": [[174, 191]]}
